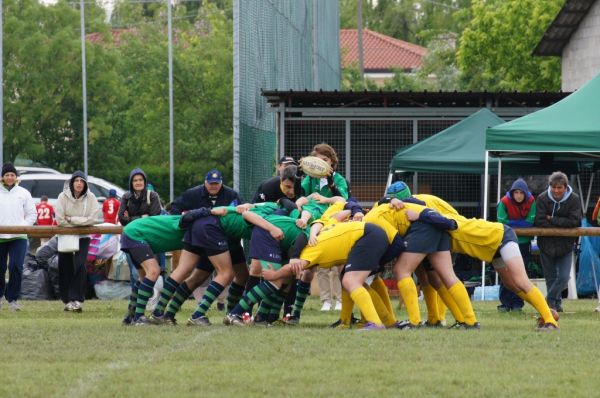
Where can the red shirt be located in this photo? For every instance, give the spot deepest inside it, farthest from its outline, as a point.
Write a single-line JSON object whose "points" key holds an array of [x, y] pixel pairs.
{"points": [[45, 214], [110, 209]]}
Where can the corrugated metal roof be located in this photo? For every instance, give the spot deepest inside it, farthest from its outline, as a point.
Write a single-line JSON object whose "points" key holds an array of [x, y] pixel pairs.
{"points": [[398, 99], [562, 28]]}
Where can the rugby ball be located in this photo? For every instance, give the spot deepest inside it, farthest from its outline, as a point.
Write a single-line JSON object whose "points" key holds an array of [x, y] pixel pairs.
{"points": [[555, 315], [315, 167]]}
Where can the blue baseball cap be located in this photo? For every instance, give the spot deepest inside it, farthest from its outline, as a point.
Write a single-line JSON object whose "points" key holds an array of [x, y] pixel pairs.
{"points": [[214, 176]]}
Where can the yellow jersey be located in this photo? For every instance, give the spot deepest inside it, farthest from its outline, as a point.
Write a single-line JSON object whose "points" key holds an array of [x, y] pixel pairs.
{"points": [[475, 237], [334, 244], [437, 204], [391, 220]]}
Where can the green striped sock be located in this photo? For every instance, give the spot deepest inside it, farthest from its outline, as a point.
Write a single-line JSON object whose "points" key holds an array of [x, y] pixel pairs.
{"points": [[277, 301], [144, 293], [212, 292], [166, 293], [258, 292], [302, 291], [235, 294], [181, 294], [133, 298]]}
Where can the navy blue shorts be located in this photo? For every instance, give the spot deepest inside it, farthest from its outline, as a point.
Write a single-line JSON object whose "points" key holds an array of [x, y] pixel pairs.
{"points": [[509, 236], [236, 251], [425, 238], [139, 254], [396, 248], [207, 236], [368, 250], [264, 247]]}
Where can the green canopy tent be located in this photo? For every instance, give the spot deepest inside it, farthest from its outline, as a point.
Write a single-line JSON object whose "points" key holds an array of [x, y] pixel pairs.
{"points": [[458, 149], [566, 131]]}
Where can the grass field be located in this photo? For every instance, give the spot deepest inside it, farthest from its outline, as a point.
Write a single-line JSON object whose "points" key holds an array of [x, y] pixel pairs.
{"points": [[46, 352]]}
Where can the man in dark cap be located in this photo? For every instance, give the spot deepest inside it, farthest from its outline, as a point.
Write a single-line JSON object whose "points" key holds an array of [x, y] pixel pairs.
{"points": [[211, 194]]}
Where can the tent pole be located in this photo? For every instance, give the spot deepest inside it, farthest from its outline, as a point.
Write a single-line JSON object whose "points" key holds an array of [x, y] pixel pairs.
{"points": [[498, 195], [589, 194], [486, 183]]}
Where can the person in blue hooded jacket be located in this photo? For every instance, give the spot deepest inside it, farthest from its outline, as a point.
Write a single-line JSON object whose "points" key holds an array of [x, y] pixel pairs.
{"points": [[558, 207], [517, 210]]}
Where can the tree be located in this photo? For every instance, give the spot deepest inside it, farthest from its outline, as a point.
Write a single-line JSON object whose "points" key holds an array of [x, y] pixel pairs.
{"points": [[495, 47], [42, 86]]}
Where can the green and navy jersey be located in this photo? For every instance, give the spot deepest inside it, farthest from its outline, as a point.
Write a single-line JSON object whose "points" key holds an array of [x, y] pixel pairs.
{"points": [[289, 228], [234, 225], [161, 233], [319, 185]]}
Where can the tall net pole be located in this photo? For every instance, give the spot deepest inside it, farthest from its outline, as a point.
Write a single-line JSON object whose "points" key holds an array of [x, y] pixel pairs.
{"points": [[84, 87], [171, 157]]}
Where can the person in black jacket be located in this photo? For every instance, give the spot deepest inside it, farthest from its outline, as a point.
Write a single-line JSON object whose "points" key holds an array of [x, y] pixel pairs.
{"points": [[136, 203], [139, 201], [558, 207], [210, 194], [284, 185]]}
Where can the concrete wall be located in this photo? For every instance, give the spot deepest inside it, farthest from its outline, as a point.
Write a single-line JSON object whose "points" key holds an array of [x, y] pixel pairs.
{"points": [[581, 56]]}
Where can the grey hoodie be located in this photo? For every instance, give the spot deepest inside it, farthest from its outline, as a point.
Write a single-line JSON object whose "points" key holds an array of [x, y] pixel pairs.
{"points": [[81, 211]]}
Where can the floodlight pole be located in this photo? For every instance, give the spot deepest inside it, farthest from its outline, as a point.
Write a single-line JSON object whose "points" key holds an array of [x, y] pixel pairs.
{"points": [[171, 157], [84, 87]]}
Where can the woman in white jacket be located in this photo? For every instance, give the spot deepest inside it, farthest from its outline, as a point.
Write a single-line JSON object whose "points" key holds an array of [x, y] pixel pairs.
{"points": [[76, 206], [16, 209]]}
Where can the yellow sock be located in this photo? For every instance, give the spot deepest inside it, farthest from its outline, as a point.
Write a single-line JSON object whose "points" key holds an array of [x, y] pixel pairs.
{"points": [[461, 297], [363, 300], [451, 304], [347, 306], [431, 302], [537, 300], [408, 291], [441, 308], [382, 291], [386, 318]]}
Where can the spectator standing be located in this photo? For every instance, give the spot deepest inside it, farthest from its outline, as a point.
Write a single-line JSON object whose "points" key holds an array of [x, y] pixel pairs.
{"points": [[110, 207], [45, 215], [517, 210], [136, 203], [330, 288], [210, 194], [16, 209], [76, 206], [45, 212], [558, 207]]}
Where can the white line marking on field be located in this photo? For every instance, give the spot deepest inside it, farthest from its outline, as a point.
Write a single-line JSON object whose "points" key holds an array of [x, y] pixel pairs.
{"points": [[92, 379]]}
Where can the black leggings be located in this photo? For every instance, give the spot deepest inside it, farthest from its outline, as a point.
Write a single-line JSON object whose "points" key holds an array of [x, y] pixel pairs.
{"points": [[72, 275]]}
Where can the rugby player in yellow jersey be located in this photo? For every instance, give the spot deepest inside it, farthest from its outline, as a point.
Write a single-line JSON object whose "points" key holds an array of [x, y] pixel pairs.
{"points": [[423, 240], [356, 244], [496, 243], [436, 295]]}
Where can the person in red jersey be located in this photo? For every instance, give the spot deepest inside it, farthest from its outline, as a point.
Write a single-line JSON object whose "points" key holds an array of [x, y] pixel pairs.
{"points": [[45, 212], [110, 208]]}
